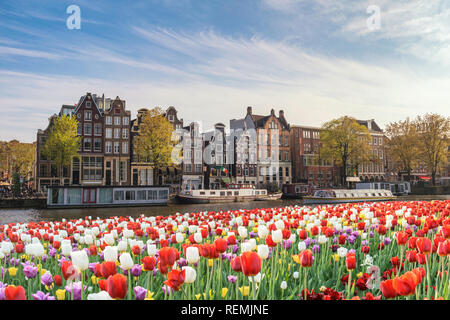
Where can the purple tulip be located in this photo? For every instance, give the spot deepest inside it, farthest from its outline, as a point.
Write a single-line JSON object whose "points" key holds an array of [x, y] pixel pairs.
{"points": [[315, 249], [42, 296], [167, 290], [232, 278], [47, 279], [74, 290], [136, 270], [92, 266], [30, 271], [182, 262], [139, 293], [2, 291], [235, 248], [286, 244], [371, 234], [387, 241]]}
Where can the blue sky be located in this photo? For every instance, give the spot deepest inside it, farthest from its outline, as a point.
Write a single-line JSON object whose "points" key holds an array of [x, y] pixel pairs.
{"points": [[316, 60]]}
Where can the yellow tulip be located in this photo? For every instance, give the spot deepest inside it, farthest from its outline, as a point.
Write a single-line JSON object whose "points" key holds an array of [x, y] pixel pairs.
{"points": [[224, 292], [175, 228], [43, 271], [336, 257], [359, 275], [49, 288], [149, 295], [197, 296], [296, 258], [244, 290], [60, 294], [12, 271], [255, 230], [224, 233], [210, 262], [94, 280]]}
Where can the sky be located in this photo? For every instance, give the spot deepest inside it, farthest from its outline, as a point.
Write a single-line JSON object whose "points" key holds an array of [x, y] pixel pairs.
{"points": [[314, 59]]}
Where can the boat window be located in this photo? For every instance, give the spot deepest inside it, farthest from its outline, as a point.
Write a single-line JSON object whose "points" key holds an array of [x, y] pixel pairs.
{"points": [[222, 193], [374, 195], [152, 195], [229, 193], [236, 193], [141, 195], [202, 192], [130, 195], [105, 195], [74, 195], [163, 194], [257, 192], [118, 195], [263, 192], [212, 192]]}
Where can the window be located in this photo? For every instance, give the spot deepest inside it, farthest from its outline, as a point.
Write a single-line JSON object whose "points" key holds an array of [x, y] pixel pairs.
{"points": [[92, 168], [375, 141], [87, 115], [117, 121], [125, 147], [97, 145], [188, 167], [380, 141], [126, 121], [108, 133], [87, 144], [287, 171], [306, 147], [88, 104], [170, 117], [116, 147], [109, 120], [43, 170], [98, 129], [306, 134], [87, 129], [79, 129], [116, 133], [124, 133], [198, 168], [108, 147]]}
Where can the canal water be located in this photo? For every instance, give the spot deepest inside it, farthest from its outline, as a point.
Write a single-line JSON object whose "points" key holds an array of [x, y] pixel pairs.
{"points": [[27, 215]]}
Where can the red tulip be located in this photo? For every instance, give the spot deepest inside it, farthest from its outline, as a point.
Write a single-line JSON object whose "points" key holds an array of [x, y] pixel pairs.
{"points": [[236, 264], [405, 285], [423, 245], [98, 270], [381, 229], [342, 239], [15, 293], [58, 280], [315, 231], [350, 261], [442, 249], [168, 256], [109, 268], [302, 234], [221, 245], [117, 286], [175, 279], [231, 240], [19, 248], [387, 289], [411, 256], [136, 250], [445, 231], [421, 258], [412, 243], [395, 261], [251, 263], [68, 270], [93, 250], [402, 237], [149, 263], [270, 242], [306, 258], [103, 285]]}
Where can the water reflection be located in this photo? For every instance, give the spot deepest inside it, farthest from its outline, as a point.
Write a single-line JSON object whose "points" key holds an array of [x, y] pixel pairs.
{"points": [[27, 215]]}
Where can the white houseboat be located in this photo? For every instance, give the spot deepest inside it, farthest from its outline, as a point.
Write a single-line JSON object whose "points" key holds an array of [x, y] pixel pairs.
{"points": [[344, 196], [234, 193], [106, 196]]}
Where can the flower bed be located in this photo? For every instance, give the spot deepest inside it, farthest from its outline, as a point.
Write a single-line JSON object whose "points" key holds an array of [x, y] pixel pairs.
{"points": [[385, 250]]}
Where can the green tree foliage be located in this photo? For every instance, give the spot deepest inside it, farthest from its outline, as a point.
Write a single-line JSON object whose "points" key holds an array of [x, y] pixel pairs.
{"points": [[434, 138], [62, 144], [17, 157], [153, 143], [402, 144], [346, 142]]}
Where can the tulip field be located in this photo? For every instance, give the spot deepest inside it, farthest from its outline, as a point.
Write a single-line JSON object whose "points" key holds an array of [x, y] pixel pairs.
{"points": [[366, 251]]}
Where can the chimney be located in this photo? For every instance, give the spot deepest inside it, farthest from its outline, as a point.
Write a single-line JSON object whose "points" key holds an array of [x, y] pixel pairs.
{"points": [[272, 112], [281, 114], [249, 110]]}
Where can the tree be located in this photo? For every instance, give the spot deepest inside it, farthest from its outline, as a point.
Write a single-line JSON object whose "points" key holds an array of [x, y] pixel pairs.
{"points": [[402, 144], [345, 141], [153, 143], [62, 144], [434, 138], [22, 157]]}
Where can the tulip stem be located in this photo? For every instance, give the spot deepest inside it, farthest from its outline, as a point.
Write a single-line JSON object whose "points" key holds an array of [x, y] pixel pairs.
{"points": [[305, 282], [349, 284], [129, 284]]}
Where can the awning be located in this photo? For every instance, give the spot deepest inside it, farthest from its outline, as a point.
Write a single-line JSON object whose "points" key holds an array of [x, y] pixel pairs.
{"points": [[353, 179], [424, 177]]}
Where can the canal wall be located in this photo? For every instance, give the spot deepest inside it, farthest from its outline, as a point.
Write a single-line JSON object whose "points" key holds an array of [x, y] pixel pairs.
{"points": [[436, 190], [35, 203]]}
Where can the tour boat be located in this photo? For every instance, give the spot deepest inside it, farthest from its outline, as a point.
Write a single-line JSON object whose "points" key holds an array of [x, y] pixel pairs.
{"points": [[234, 193], [345, 195], [106, 196]]}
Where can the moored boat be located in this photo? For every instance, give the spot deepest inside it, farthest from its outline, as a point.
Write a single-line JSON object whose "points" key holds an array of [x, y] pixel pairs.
{"points": [[346, 195], [234, 193]]}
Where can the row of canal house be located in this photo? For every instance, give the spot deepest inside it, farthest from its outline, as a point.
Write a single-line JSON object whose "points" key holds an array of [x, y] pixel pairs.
{"points": [[263, 150]]}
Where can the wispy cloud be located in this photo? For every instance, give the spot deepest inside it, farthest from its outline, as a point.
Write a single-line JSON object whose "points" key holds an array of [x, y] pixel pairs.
{"points": [[10, 51]]}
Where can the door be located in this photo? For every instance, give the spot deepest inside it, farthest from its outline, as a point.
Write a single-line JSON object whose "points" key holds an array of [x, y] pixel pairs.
{"points": [[135, 177], [108, 177], [89, 195]]}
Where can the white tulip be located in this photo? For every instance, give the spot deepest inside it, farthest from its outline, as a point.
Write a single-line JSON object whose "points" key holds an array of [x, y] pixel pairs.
{"points": [[198, 237], [263, 232], [263, 251], [122, 246], [109, 239], [252, 243], [301, 246], [296, 275], [242, 232], [102, 295], [126, 262], [151, 249], [88, 239], [283, 285], [192, 255], [179, 237], [277, 236], [342, 252], [279, 224], [128, 233], [322, 239], [110, 253], [246, 246], [80, 260], [190, 274]]}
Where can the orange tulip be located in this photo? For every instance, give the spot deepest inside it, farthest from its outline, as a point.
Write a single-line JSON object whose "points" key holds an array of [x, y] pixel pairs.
{"points": [[423, 245], [117, 286], [306, 258], [387, 289], [175, 279], [15, 293]]}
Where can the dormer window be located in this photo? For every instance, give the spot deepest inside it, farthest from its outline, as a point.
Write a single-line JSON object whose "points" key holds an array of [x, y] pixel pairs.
{"points": [[171, 117], [88, 104]]}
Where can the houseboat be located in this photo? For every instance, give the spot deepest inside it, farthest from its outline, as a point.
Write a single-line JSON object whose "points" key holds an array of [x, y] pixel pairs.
{"points": [[397, 188], [234, 193], [296, 190], [345, 195], [106, 196]]}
